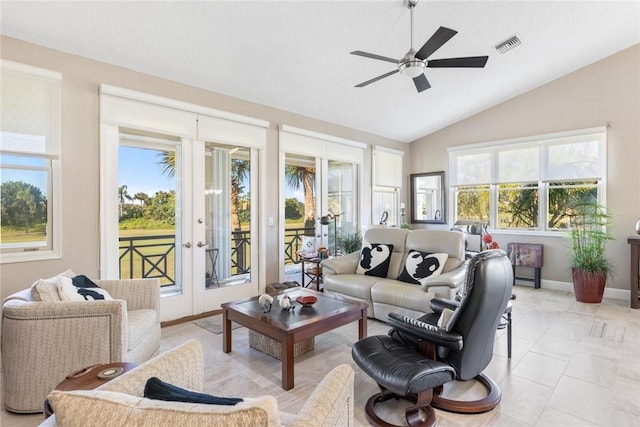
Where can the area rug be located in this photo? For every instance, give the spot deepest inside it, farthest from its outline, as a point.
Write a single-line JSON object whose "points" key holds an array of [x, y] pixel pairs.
{"points": [[213, 324]]}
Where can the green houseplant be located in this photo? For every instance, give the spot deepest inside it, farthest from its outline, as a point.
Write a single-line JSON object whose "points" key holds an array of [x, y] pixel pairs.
{"points": [[589, 263], [349, 242]]}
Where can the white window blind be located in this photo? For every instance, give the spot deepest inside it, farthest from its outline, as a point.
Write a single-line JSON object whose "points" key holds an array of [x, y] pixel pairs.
{"points": [[387, 167], [470, 167], [575, 155], [518, 164], [576, 158], [30, 106]]}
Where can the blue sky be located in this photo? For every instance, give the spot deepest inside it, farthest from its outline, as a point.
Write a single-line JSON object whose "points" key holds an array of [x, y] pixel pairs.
{"points": [[35, 178], [141, 171]]}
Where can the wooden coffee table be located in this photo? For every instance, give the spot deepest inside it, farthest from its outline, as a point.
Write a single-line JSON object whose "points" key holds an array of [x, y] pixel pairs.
{"points": [[88, 379], [290, 327]]}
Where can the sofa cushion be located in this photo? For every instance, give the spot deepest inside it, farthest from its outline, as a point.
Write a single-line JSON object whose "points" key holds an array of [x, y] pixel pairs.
{"points": [[47, 289], [375, 259], [104, 408], [400, 294], [351, 285], [80, 288], [419, 266], [139, 323]]}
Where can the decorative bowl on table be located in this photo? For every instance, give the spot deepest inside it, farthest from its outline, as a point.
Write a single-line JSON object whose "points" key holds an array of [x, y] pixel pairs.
{"points": [[307, 300]]}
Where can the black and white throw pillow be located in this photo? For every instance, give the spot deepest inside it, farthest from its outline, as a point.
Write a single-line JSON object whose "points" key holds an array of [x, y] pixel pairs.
{"points": [[419, 266], [80, 288], [375, 259]]}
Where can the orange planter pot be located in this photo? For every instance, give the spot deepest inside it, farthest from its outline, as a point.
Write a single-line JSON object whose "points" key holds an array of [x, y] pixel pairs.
{"points": [[588, 287]]}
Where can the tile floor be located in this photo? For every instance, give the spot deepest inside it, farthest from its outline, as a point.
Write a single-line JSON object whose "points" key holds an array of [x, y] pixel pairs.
{"points": [[573, 364]]}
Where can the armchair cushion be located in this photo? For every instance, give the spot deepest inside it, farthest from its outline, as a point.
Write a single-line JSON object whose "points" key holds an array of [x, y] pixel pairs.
{"points": [[418, 266]]}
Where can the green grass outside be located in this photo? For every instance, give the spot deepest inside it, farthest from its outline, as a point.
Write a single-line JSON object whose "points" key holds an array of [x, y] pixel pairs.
{"points": [[37, 233]]}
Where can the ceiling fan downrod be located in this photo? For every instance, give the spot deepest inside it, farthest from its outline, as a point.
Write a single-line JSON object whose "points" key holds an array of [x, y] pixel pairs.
{"points": [[411, 66]]}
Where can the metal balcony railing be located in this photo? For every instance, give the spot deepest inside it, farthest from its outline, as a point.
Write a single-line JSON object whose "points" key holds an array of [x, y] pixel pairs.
{"points": [[154, 256]]}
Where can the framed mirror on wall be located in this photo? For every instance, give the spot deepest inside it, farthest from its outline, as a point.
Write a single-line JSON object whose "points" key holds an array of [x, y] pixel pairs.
{"points": [[427, 198]]}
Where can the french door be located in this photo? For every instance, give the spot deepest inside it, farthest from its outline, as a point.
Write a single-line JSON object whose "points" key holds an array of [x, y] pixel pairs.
{"points": [[179, 197], [318, 207], [185, 214]]}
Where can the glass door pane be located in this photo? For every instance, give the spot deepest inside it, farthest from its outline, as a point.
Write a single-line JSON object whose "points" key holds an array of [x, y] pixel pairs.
{"points": [[149, 197], [342, 201], [300, 209], [228, 215]]}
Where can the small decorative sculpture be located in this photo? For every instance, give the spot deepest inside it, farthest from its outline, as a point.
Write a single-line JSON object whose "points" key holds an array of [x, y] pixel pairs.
{"points": [[285, 302], [265, 302]]}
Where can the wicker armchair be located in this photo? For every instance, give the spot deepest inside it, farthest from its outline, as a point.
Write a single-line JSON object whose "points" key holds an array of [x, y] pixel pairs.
{"points": [[42, 342], [120, 401]]}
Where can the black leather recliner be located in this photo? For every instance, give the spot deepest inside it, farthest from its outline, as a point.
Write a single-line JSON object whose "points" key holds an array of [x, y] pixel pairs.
{"points": [[417, 357]]}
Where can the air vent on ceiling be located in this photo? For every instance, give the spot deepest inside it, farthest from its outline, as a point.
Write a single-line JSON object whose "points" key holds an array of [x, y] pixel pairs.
{"points": [[508, 44]]}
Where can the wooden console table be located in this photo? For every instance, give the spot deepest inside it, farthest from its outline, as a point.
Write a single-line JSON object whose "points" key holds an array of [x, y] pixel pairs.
{"points": [[634, 286]]}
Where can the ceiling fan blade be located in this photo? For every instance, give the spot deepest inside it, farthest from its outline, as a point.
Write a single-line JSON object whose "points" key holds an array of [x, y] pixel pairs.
{"points": [[440, 37], [375, 79], [421, 82], [374, 56], [466, 62]]}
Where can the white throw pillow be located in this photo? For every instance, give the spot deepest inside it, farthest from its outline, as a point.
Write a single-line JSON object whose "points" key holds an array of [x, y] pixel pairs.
{"points": [[69, 292], [46, 289]]}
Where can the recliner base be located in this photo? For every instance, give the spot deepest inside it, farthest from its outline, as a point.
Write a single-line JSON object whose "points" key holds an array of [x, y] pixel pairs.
{"points": [[494, 395], [419, 415]]}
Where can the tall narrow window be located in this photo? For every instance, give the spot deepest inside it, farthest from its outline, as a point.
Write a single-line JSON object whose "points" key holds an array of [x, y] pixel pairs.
{"points": [[29, 156]]}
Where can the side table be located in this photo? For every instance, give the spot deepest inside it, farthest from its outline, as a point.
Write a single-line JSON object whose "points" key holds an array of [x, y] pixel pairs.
{"points": [[87, 379], [311, 274]]}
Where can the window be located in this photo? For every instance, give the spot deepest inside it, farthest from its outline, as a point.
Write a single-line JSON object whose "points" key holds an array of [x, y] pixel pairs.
{"points": [[29, 146], [528, 184], [387, 184]]}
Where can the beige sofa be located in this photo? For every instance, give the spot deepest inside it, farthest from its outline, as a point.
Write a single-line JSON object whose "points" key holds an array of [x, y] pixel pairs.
{"points": [[385, 295], [43, 341], [120, 402]]}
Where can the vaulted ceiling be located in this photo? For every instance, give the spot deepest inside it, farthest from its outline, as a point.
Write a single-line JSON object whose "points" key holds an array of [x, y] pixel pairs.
{"points": [[294, 55]]}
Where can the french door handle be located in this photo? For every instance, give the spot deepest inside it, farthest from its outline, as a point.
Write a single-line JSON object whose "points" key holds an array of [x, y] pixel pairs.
{"points": [[187, 245], [201, 245]]}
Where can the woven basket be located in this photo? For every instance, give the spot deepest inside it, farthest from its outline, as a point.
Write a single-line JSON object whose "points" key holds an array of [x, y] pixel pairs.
{"points": [[273, 348]]}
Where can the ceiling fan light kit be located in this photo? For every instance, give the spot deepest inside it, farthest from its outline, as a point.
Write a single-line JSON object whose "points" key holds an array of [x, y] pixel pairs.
{"points": [[414, 62], [412, 68]]}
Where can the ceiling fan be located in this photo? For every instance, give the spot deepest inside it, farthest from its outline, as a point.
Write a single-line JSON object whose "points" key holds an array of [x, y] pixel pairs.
{"points": [[413, 63]]}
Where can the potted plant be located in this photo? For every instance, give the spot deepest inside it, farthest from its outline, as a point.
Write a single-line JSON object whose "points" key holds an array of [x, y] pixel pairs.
{"points": [[589, 264], [350, 242]]}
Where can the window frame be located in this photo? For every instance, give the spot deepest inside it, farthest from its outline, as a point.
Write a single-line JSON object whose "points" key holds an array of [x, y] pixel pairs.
{"points": [[51, 155], [544, 181]]}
